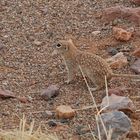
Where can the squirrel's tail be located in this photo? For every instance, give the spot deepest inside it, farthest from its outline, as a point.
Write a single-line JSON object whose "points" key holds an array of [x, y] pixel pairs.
{"points": [[126, 75]]}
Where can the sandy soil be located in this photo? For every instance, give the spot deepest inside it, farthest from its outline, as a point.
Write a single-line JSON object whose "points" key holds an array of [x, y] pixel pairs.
{"points": [[29, 29]]}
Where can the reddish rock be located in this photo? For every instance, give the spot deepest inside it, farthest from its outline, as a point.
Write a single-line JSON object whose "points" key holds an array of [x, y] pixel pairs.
{"points": [[65, 112], [5, 94], [117, 91], [23, 99], [137, 52], [131, 14], [121, 34], [136, 1], [117, 61]]}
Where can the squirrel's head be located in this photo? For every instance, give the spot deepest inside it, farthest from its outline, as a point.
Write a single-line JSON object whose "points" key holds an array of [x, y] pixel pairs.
{"points": [[63, 46]]}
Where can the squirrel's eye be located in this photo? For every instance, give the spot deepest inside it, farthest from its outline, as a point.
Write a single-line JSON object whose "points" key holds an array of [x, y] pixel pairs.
{"points": [[58, 45]]}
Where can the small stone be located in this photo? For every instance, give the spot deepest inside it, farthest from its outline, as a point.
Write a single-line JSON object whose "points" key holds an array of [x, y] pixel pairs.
{"points": [[80, 130], [64, 120], [59, 128], [129, 58], [49, 93], [48, 114], [121, 34], [5, 94], [44, 10], [95, 33], [136, 66], [117, 102], [136, 53], [52, 123], [5, 36], [117, 61], [65, 112], [116, 122], [23, 99], [30, 38], [5, 113], [38, 43], [112, 51]]}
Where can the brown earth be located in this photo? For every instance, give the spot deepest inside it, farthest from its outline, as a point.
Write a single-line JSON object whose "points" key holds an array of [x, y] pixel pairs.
{"points": [[28, 30]]}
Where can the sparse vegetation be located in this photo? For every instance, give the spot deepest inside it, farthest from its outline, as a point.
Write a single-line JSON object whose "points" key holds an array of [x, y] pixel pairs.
{"points": [[28, 30]]}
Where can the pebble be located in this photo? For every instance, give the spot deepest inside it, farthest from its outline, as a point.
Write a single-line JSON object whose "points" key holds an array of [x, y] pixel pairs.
{"points": [[112, 51], [23, 99], [64, 120], [95, 33], [49, 93], [38, 43], [44, 10], [80, 130], [65, 112], [5, 94], [52, 123], [48, 114]]}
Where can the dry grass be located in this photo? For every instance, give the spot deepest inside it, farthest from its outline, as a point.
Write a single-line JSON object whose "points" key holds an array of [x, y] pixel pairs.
{"points": [[98, 115], [23, 134]]}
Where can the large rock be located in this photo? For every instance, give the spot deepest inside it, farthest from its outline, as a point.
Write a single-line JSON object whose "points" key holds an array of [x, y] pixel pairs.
{"points": [[117, 61], [115, 121], [136, 66], [131, 14], [115, 102], [121, 34]]}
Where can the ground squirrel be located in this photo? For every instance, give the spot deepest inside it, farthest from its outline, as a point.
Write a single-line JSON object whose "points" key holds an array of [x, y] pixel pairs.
{"points": [[93, 66]]}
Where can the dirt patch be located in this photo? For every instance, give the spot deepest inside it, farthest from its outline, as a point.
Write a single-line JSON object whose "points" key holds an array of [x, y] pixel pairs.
{"points": [[27, 67]]}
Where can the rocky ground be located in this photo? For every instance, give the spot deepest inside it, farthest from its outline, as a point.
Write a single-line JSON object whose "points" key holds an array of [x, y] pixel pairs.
{"points": [[29, 29]]}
